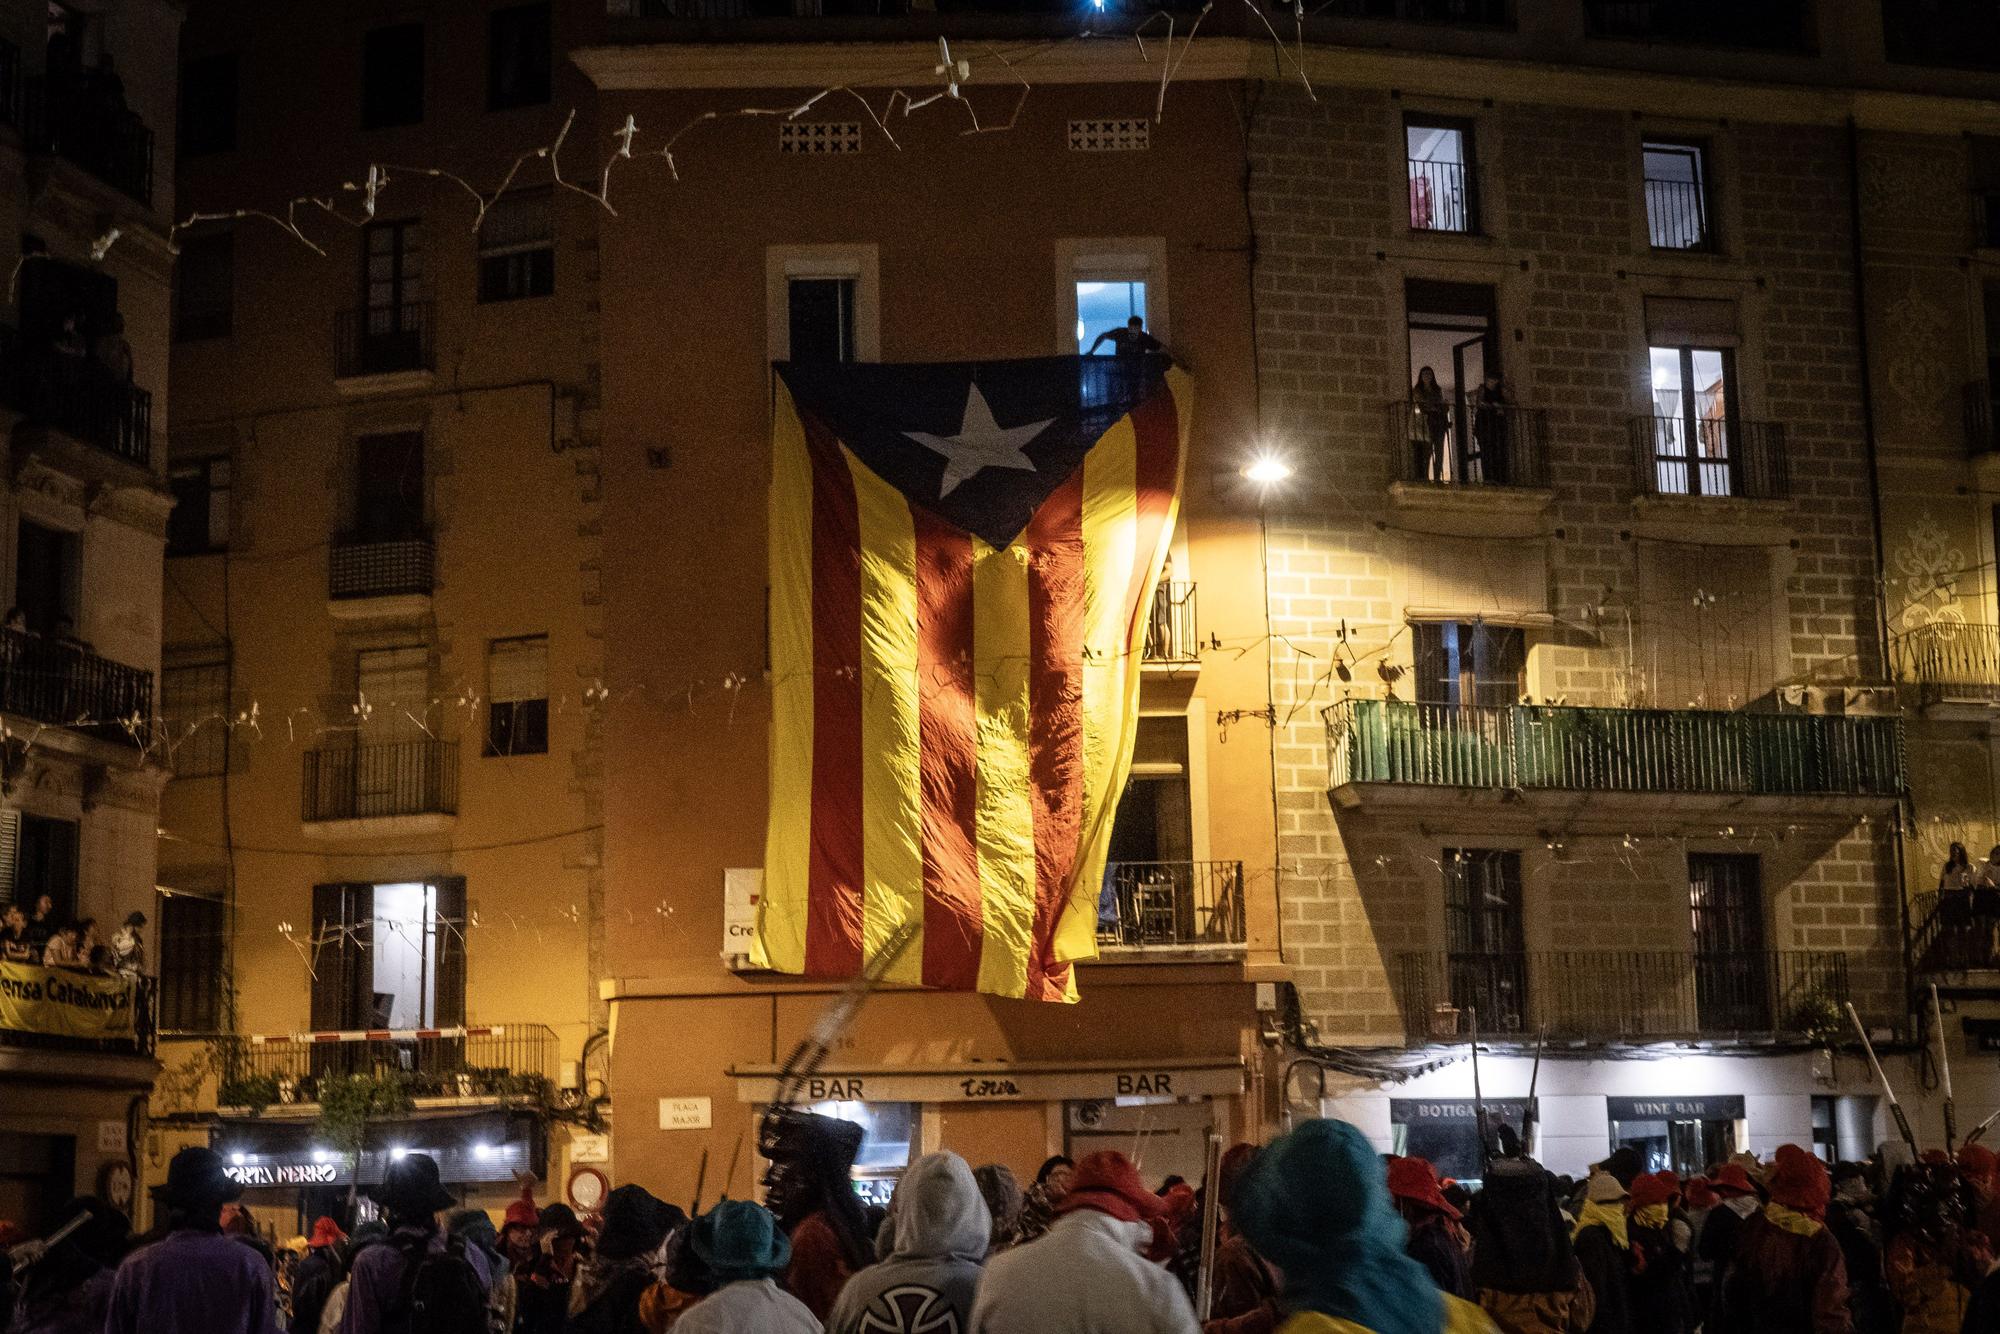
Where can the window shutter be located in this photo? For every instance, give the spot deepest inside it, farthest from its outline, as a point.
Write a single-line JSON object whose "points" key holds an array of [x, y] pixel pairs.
{"points": [[10, 852], [449, 1006], [343, 971], [518, 669]]}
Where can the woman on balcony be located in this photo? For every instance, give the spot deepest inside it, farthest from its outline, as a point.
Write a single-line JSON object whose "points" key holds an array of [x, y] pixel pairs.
{"points": [[1430, 420]]}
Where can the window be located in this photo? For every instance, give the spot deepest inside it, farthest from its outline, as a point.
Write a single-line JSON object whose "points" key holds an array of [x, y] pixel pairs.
{"points": [[1454, 334], [1443, 189], [1469, 663], [199, 522], [396, 957], [43, 862], [1485, 957], [392, 76], [1693, 420], [47, 569], [820, 319], [517, 685], [517, 57], [194, 710], [1825, 1136], [1726, 905], [1677, 207], [390, 333], [389, 486], [1104, 311], [517, 248], [208, 105], [205, 288], [192, 928]]}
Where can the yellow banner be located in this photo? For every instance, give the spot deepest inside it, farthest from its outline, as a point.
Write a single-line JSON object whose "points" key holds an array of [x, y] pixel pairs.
{"points": [[64, 1003]]}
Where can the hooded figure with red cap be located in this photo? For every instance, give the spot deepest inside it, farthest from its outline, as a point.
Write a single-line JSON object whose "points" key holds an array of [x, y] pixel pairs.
{"points": [[1089, 1274], [1934, 1257], [1662, 1281], [1436, 1240], [1787, 1276], [1736, 1199]]}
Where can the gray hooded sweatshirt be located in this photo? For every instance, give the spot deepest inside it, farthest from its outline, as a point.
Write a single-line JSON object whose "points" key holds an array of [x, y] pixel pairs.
{"points": [[938, 1227]]}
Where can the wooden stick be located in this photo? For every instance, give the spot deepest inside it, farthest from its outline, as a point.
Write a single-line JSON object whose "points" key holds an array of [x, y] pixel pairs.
{"points": [[1944, 1072], [1478, 1099], [1211, 1229], [734, 1154], [700, 1177], [1530, 1119], [1895, 1108]]}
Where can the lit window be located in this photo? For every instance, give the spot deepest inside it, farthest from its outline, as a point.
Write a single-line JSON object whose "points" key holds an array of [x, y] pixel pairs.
{"points": [[1443, 195], [1676, 195], [517, 715]]}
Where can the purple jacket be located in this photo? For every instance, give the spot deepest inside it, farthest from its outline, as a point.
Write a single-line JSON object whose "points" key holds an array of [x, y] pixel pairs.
{"points": [[193, 1283], [375, 1283]]}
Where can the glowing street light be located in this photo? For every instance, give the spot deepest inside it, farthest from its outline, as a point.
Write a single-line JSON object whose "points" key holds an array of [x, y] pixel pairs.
{"points": [[1267, 470]]}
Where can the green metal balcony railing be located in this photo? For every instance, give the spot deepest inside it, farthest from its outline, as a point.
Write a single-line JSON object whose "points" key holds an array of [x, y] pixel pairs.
{"points": [[1614, 750]]}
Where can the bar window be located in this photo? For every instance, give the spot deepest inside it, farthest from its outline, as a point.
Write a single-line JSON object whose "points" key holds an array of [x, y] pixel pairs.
{"points": [[517, 248], [1677, 195], [1443, 189], [517, 711]]}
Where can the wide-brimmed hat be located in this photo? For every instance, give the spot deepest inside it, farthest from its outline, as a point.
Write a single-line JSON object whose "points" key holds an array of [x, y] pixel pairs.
{"points": [[1798, 1180], [1730, 1179], [1108, 1182], [635, 1222], [326, 1232], [1603, 1189], [521, 1211], [561, 1220], [196, 1180], [1414, 1180], [411, 1186], [1653, 1188], [738, 1239]]}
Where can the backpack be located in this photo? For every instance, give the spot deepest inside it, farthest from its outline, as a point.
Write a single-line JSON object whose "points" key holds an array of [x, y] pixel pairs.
{"points": [[441, 1292]]}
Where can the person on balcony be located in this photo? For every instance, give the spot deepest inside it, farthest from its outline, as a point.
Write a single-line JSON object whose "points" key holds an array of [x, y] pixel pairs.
{"points": [[128, 945], [112, 353], [1430, 422], [1130, 341], [14, 943], [64, 949], [42, 926], [194, 1280], [1489, 462]]}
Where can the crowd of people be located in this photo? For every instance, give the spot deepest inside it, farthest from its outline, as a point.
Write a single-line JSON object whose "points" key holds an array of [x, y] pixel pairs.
{"points": [[49, 938], [1314, 1233]]}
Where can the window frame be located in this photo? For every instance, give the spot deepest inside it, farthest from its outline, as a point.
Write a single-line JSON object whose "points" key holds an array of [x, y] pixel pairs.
{"points": [[207, 736], [215, 499], [1111, 259], [1733, 443], [539, 94], [861, 263], [541, 276], [529, 711], [219, 319], [201, 72], [1486, 636], [380, 109], [1468, 131], [190, 979], [1703, 153]]}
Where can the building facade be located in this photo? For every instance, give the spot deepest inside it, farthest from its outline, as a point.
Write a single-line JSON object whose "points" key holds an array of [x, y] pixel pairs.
{"points": [[86, 170]]}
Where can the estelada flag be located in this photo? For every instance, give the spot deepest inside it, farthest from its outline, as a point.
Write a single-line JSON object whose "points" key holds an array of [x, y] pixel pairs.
{"points": [[962, 557]]}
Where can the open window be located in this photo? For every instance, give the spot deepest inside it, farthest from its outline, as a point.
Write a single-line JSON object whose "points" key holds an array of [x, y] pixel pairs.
{"points": [[1677, 194], [1455, 427], [392, 954], [1470, 663], [48, 577], [1444, 195]]}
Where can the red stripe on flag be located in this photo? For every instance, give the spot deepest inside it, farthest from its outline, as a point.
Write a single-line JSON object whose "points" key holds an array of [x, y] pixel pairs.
{"points": [[948, 733], [1157, 437], [834, 876], [1054, 538]]}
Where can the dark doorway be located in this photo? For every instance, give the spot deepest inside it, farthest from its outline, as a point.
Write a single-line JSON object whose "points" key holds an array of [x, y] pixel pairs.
{"points": [[1731, 971], [1485, 953], [389, 486], [1453, 329]]}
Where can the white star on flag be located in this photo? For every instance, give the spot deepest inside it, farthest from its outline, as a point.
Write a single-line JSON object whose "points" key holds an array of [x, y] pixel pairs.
{"points": [[981, 443]]}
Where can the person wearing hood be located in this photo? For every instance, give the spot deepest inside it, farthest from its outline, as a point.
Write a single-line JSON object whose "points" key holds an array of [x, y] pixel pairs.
{"points": [[316, 1275], [1934, 1257], [1003, 1200], [938, 1232], [810, 1187], [541, 1292], [741, 1251], [1089, 1273], [627, 1261], [1787, 1276], [1524, 1267], [1433, 1224], [1316, 1204], [68, 1287], [475, 1227], [194, 1280], [1604, 1248], [1662, 1285]]}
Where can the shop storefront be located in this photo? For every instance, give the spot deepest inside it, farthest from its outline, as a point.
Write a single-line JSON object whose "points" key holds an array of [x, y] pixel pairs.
{"points": [[1446, 1130], [1681, 1134], [290, 1173]]}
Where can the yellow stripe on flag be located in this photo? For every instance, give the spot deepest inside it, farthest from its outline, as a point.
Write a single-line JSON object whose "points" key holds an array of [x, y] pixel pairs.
{"points": [[1004, 818], [780, 940], [892, 818]]}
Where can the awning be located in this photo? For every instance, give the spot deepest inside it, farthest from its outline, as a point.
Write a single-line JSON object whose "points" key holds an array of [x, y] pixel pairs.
{"points": [[483, 1147], [1005, 1081]]}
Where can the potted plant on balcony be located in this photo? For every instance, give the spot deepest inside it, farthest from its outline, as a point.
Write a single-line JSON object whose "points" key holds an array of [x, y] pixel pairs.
{"points": [[255, 1092], [1444, 1020]]}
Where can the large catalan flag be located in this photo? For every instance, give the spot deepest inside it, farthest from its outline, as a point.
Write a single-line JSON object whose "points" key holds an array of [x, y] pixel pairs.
{"points": [[962, 556]]}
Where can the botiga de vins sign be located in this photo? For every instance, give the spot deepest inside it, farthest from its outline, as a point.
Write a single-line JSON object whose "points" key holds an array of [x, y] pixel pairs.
{"points": [[1001, 1083]]}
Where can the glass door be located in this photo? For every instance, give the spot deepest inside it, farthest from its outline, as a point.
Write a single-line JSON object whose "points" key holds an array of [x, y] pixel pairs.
{"points": [[1694, 421]]}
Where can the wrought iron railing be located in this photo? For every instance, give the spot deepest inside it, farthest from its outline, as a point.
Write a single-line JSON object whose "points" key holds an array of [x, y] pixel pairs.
{"points": [[1982, 410], [1170, 626], [1766, 25], [1949, 660], [366, 782], [1171, 903], [82, 121], [144, 1038], [360, 567], [1441, 197], [384, 340], [64, 683], [1621, 995], [1677, 215], [493, 1061], [1567, 747], [1469, 444], [1728, 458], [79, 396]]}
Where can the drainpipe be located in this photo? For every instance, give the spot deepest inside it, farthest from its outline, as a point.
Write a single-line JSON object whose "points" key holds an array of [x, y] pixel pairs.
{"points": [[1896, 830]]}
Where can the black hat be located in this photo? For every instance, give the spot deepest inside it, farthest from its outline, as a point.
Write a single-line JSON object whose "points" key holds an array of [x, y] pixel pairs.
{"points": [[135, 918], [411, 1187], [635, 1222], [196, 1180], [561, 1220]]}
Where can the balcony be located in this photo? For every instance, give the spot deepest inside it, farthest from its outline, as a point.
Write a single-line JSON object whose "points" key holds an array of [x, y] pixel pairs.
{"points": [[120, 1008], [409, 780], [1171, 639], [1951, 665], [480, 1062], [359, 568], [1392, 755], [1677, 215], [89, 125], [1156, 905], [79, 397], [379, 341], [1767, 25], [1441, 197], [1621, 996], [1463, 470], [66, 685], [1730, 459]]}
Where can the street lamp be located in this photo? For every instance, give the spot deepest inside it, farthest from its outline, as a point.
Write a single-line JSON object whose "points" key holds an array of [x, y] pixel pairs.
{"points": [[1267, 470]]}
